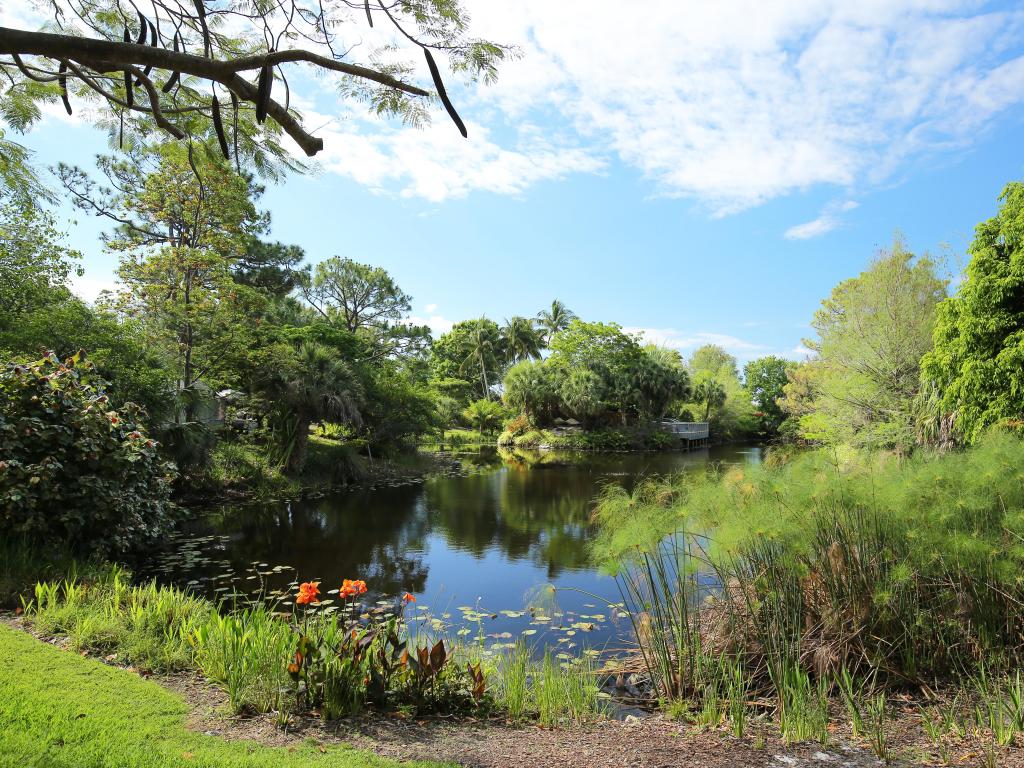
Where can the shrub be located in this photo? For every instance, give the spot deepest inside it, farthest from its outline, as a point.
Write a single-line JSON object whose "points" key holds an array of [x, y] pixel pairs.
{"points": [[597, 440], [660, 441], [517, 426], [74, 470], [531, 439]]}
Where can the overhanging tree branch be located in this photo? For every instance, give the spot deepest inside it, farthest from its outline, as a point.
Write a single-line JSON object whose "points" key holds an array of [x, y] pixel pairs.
{"points": [[111, 56]]}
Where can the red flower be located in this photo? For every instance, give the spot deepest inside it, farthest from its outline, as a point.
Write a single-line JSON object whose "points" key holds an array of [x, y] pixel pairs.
{"points": [[408, 598], [309, 592], [350, 588]]}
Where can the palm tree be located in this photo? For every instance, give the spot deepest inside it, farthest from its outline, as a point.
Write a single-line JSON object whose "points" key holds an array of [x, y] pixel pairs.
{"points": [[484, 351], [522, 339], [317, 386], [712, 394], [555, 319]]}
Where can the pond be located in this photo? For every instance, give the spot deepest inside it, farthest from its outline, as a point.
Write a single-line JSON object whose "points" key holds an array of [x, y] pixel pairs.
{"points": [[479, 549]]}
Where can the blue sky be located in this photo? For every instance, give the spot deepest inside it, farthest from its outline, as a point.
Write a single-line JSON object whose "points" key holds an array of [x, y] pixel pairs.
{"points": [[704, 174]]}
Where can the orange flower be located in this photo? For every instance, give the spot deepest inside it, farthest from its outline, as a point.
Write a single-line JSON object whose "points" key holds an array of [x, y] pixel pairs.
{"points": [[408, 598], [309, 592], [293, 668], [350, 588]]}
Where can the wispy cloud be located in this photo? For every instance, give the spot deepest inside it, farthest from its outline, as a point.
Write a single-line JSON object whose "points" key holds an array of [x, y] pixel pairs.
{"points": [[688, 341], [730, 104], [829, 219]]}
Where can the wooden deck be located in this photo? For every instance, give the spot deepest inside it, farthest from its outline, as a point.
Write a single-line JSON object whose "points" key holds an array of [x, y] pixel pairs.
{"points": [[690, 431]]}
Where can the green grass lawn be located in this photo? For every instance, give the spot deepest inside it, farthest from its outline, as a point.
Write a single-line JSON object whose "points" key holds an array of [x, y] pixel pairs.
{"points": [[59, 709]]}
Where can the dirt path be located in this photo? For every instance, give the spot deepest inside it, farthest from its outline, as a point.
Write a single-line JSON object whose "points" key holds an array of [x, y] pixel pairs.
{"points": [[650, 742]]}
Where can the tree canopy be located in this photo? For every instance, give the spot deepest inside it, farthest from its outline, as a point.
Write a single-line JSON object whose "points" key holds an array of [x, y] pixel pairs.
{"points": [[872, 333], [764, 379], [977, 364]]}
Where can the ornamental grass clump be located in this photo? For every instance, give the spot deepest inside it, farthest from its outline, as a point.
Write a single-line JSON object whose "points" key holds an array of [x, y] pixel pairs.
{"points": [[896, 570]]}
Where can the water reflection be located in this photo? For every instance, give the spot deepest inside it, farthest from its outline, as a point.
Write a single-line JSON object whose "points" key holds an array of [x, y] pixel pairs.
{"points": [[518, 520]]}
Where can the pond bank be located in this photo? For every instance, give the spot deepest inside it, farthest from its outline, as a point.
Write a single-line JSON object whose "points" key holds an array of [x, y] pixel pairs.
{"points": [[104, 716]]}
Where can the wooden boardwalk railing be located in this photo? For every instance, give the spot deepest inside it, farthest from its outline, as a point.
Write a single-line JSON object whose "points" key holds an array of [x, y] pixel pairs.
{"points": [[691, 430]]}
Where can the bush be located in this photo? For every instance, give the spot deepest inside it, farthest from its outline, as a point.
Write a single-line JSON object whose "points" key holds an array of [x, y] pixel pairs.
{"points": [[518, 426], [74, 470], [597, 440], [657, 440], [531, 439]]}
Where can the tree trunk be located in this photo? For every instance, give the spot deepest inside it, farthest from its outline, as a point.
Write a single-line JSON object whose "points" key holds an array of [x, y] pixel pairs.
{"points": [[300, 447], [187, 340]]}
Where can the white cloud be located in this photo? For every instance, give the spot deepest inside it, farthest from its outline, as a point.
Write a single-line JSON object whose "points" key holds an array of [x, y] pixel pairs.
{"points": [[436, 163], [438, 325], [737, 102], [826, 222], [730, 104], [687, 342], [800, 353], [430, 308], [89, 288]]}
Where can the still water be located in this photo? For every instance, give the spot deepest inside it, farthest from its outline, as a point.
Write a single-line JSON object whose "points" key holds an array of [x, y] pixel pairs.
{"points": [[490, 542]]}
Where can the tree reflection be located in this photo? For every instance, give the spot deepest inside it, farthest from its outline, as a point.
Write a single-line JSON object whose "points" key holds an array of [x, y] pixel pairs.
{"points": [[373, 535]]}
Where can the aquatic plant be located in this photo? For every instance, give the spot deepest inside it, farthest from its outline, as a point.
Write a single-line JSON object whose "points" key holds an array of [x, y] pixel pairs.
{"points": [[145, 625], [830, 569]]}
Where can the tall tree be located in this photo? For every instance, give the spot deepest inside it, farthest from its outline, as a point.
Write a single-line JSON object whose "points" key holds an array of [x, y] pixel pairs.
{"points": [[765, 379], [522, 339], [366, 301], [719, 396], [531, 388], [471, 350], [484, 348], [977, 365], [659, 380], [555, 319], [187, 62], [182, 222], [35, 264], [356, 295], [714, 359], [872, 333], [272, 268], [605, 350], [711, 395]]}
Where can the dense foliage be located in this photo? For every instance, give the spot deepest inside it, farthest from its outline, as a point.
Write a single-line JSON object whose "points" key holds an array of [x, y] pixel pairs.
{"points": [[909, 568], [597, 374], [978, 361], [862, 386], [74, 469]]}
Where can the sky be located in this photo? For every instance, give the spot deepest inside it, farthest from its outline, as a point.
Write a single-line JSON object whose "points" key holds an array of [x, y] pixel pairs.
{"points": [[697, 172]]}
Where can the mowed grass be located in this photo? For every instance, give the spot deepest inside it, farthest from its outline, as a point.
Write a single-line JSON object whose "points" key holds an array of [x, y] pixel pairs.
{"points": [[59, 709]]}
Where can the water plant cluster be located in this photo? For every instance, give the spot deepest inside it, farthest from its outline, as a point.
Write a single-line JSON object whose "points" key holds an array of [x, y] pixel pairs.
{"points": [[830, 575], [328, 655]]}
